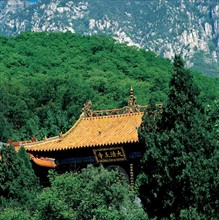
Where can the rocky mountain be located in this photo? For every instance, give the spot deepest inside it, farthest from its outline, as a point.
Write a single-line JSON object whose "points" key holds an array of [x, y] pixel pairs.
{"points": [[188, 27]]}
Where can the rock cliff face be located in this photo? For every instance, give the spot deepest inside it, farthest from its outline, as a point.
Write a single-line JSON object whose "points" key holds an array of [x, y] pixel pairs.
{"points": [[188, 27]]}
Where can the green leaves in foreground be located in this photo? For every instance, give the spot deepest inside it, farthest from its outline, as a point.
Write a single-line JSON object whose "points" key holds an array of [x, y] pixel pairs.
{"points": [[95, 193], [18, 182], [179, 177]]}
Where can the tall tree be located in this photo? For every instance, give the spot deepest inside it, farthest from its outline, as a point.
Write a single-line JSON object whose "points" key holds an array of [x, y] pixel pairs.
{"points": [[17, 179], [180, 169]]}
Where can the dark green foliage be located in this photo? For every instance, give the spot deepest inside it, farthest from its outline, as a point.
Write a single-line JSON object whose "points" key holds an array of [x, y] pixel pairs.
{"points": [[95, 193], [47, 77], [15, 214], [180, 166], [31, 181], [213, 115], [18, 182], [183, 102]]}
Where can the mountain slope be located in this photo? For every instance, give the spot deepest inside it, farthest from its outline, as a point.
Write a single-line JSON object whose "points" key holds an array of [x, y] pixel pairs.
{"points": [[188, 27], [46, 78]]}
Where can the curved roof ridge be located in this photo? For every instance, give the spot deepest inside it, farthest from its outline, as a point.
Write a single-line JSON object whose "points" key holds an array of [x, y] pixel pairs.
{"points": [[49, 140], [96, 131], [112, 116], [72, 128]]}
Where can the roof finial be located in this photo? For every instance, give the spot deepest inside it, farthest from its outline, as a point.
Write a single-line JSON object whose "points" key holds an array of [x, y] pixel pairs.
{"points": [[131, 91], [61, 134], [86, 110], [132, 98]]}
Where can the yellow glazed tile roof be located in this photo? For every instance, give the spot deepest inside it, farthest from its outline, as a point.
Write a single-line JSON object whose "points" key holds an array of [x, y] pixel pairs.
{"points": [[92, 132]]}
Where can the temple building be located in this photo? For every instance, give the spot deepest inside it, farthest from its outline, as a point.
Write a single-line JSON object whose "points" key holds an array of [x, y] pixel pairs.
{"points": [[107, 137]]}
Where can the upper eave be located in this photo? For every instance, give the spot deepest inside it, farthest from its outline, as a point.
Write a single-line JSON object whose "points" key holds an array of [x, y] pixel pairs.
{"points": [[90, 132]]}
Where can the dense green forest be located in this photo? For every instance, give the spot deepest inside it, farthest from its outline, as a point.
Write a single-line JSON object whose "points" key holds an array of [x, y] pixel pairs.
{"points": [[46, 78], [93, 193], [179, 177]]}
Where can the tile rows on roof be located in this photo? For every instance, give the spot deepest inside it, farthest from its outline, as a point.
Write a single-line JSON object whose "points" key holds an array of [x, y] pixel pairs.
{"points": [[94, 132]]}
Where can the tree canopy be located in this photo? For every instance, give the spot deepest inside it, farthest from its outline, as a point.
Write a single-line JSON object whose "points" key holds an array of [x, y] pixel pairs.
{"points": [[180, 165], [94, 193], [47, 77], [18, 182]]}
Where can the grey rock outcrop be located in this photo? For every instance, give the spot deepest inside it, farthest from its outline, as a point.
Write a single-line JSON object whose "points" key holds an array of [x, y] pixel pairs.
{"points": [[188, 27]]}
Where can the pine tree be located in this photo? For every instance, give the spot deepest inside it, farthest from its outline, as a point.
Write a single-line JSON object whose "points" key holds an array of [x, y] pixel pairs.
{"points": [[17, 179], [30, 179], [183, 98], [179, 168]]}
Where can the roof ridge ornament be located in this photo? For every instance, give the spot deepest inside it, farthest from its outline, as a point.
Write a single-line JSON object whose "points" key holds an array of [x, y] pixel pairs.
{"points": [[132, 107], [132, 98], [87, 109]]}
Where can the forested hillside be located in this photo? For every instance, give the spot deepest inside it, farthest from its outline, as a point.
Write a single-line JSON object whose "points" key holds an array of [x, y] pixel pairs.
{"points": [[179, 173], [93, 193], [46, 78], [188, 27]]}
